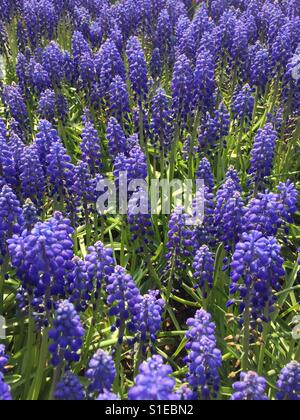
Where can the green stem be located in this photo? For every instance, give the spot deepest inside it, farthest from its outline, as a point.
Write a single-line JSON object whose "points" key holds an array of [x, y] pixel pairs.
{"points": [[193, 141], [174, 152], [246, 339], [2, 283], [142, 140], [39, 375], [56, 377], [138, 360], [27, 361], [262, 353], [117, 383], [123, 240]]}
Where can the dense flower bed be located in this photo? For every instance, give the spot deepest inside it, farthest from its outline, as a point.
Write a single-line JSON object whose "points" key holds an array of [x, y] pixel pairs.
{"points": [[140, 305]]}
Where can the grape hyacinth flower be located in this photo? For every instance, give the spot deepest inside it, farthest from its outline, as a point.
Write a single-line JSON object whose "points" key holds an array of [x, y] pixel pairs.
{"points": [[203, 270], [139, 218], [204, 81], [39, 77], [11, 218], [234, 176], [107, 396], [59, 169], [32, 175], [116, 138], [288, 383], [151, 310], [53, 61], [269, 211], [87, 69], [22, 72], [242, 105], [186, 394], [47, 104], [182, 88], [30, 215], [69, 389], [259, 67], [205, 173], [101, 372], [80, 287], [42, 257], [3, 131], [256, 270], [262, 155], [204, 359], [13, 99], [66, 334], [108, 64], [7, 162], [161, 124], [45, 138], [200, 24], [5, 393], [82, 193], [100, 266], [214, 130], [61, 107], [155, 64], [229, 213], [91, 147], [79, 47], [153, 383], [119, 99], [96, 33], [138, 72], [15, 153], [288, 198], [251, 387], [123, 299], [205, 231], [4, 358], [180, 240], [164, 35], [134, 163]]}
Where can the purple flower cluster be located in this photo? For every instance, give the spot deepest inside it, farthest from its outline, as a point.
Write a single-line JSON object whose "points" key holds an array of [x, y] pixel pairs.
{"points": [[182, 86], [204, 359], [180, 238], [69, 389], [151, 315], [5, 393], [123, 299], [100, 373], [4, 358], [269, 211], [256, 270], [251, 387], [139, 218], [137, 68], [117, 142], [66, 335], [153, 382], [91, 147], [203, 269], [161, 120], [11, 217], [229, 213], [42, 258], [243, 104], [288, 383], [107, 396], [262, 154]]}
